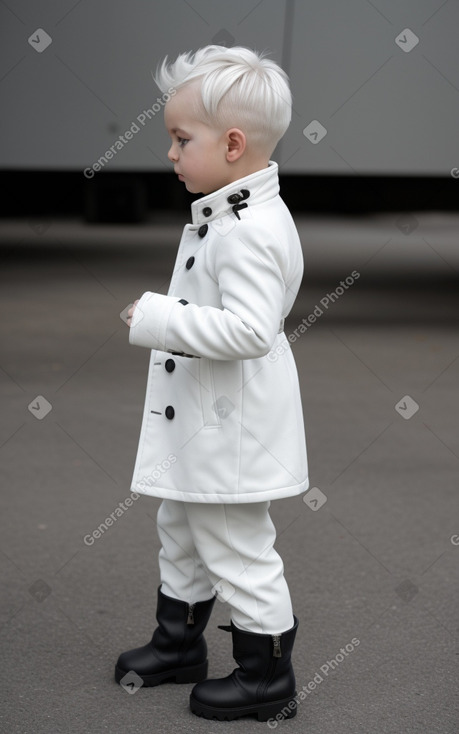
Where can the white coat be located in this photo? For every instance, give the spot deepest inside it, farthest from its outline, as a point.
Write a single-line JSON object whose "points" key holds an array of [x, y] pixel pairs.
{"points": [[223, 419]]}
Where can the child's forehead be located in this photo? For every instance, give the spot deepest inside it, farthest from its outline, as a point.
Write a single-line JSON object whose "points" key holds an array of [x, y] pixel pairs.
{"points": [[184, 103]]}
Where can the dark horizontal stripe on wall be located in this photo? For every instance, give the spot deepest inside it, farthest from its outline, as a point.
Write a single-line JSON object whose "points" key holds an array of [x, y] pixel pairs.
{"points": [[129, 196]]}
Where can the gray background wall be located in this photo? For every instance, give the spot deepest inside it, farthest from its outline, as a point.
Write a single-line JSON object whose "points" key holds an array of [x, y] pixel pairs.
{"points": [[385, 110]]}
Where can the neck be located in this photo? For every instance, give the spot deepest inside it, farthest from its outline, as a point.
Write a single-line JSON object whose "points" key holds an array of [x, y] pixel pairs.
{"points": [[245, 167]]}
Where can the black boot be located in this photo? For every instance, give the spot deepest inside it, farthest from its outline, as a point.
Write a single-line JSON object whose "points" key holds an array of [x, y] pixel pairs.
{"points": [[177, 651], [264, 683]]}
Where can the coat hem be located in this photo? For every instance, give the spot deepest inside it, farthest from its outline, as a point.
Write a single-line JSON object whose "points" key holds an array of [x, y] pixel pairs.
{"points": [[222, 498]]}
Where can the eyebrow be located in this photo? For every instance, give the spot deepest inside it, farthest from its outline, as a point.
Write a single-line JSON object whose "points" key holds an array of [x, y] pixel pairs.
{"points": [[178, 130]]}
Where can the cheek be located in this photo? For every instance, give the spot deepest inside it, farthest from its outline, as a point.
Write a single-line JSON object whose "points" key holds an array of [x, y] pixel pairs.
{"points": [[196, 162]]}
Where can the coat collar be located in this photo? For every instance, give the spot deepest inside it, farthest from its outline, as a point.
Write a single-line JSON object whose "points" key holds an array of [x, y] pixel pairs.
{"points": [[261, 185]]}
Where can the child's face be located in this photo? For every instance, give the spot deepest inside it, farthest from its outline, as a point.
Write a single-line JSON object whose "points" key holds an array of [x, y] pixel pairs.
{"points": [[198, 151]]}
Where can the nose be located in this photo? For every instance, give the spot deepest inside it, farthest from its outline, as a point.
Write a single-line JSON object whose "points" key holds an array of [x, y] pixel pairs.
{"points": [[172, 154]]}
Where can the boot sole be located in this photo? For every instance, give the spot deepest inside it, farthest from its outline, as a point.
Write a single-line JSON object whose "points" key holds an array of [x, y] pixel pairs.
{"points": [[263, 711], [192, 674]]}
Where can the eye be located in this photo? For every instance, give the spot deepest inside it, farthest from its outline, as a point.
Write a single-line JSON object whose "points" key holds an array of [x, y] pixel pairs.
{"points": [[182, 142]]}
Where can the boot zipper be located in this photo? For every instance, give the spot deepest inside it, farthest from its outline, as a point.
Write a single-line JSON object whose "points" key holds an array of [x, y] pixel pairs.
{"points": [[190, 619], [277, 652]]}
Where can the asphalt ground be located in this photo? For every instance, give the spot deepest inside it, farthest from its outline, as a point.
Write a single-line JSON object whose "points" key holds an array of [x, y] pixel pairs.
{"points": [[372, 566]]}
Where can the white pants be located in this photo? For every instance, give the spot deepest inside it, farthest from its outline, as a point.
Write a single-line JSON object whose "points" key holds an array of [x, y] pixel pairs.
{"points": [[226, 550]]}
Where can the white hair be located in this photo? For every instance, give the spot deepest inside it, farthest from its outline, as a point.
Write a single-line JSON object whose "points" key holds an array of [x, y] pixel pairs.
{"points": [[239, 88]]}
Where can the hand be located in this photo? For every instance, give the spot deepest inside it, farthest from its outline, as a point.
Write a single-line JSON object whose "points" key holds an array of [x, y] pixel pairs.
{"points": [[130, 313]]}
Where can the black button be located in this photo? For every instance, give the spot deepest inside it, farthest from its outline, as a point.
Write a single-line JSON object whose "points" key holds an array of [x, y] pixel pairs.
{"points": [[183, 302], [202, 231], [170, 412], [189, 263], [234, 199], [207, 211], [170, 365]]}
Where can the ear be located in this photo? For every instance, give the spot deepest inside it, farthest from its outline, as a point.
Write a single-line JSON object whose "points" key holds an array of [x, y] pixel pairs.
{"points": [[236, 144]]}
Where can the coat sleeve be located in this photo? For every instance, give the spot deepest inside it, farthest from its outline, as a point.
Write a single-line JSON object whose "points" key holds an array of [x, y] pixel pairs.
{"points": [[249, 273]]}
